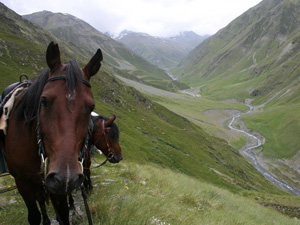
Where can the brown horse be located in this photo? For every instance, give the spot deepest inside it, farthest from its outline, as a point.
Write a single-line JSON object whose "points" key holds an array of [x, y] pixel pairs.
{"points": [[50, 121], [104, 136]]}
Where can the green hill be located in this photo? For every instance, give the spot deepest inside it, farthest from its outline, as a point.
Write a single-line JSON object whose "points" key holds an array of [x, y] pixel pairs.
{"points": [[256, 56], [152, 137], [117, 58]]}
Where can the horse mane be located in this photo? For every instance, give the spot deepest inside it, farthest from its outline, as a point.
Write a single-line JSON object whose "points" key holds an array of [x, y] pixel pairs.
{"points": [[114, 130], [29, 105]]}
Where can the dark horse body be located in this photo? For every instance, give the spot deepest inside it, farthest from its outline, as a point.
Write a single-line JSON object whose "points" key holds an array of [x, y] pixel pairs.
{"points": [[60, 109]]}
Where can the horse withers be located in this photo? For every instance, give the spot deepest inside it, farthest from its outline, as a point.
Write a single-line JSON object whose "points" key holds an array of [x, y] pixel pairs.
{"points": [[50, 121]]}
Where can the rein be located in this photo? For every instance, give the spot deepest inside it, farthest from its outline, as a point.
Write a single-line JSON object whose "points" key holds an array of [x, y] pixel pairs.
{"points": [[42, 148]]}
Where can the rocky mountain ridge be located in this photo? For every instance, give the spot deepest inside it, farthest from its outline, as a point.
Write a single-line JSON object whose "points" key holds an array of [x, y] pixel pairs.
{"points": [[165, 52]]}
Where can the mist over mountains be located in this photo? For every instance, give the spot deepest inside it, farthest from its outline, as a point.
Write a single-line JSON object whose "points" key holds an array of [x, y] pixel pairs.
{"points": [[118, 58], [166, 53]]}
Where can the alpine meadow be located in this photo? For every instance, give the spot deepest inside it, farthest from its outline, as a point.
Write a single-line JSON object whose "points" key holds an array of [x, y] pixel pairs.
{"points": [[174, 101]]}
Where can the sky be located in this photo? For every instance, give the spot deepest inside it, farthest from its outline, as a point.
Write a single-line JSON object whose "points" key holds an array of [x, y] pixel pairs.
{"points": [[162, 18]]}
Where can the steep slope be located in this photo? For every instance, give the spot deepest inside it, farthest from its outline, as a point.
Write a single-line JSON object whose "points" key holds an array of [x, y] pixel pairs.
{"points": [[256, 55], [22, 47], [149, 132], [120, 59], [163, 52]]}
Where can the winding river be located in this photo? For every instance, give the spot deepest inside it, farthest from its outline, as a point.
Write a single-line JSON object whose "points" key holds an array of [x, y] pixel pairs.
{"points": [[249, 154], [247, 150]]}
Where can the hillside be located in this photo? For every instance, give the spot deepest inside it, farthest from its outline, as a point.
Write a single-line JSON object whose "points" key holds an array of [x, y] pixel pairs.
{"points": [[22, 47], [117, 58], [147, 127], [166, 53], [150, 134], [257, 56]]}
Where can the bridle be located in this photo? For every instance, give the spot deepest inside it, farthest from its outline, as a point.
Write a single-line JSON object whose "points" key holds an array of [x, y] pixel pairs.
{"points": [[42, 152], [40, 143], [110, 154]]}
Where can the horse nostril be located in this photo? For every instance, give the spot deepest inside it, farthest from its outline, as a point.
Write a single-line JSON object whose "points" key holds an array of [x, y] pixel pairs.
{"points": [[76, 182], [53, 182], [80, 179], [110, 156], [60, 185], [116, 158]]}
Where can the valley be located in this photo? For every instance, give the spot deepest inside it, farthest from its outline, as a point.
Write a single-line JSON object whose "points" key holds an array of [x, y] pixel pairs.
{"points": [[253, 141], [183, 161]]}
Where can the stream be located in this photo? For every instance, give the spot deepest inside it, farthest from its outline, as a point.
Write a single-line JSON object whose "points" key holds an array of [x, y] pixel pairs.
{"points": [[246, 150], [250, 155]]}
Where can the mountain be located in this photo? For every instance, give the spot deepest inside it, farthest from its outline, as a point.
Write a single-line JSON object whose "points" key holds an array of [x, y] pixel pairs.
{"points": [[22, 47], [150, 135], [256, 54], [163, 52], [257, 57], [118, 58], [150, 132], [189, 38]]}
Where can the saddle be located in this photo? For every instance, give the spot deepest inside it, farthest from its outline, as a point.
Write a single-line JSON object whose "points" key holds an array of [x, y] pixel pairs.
{"points": [[8, 97]]}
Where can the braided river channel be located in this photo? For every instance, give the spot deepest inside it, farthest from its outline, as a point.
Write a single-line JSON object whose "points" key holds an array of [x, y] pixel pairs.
{"points": [[247, 151]]}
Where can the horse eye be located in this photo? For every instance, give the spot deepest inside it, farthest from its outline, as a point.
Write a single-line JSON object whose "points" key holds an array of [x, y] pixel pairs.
{"points": [[44, 102], [92, 109]]}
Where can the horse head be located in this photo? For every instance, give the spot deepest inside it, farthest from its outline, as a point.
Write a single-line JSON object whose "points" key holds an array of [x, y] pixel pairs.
{"points": [[105, 137], [66, 103]]}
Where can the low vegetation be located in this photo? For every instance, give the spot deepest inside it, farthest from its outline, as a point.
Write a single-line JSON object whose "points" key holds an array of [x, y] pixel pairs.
{"points": [[131, 193], [174, 171]]}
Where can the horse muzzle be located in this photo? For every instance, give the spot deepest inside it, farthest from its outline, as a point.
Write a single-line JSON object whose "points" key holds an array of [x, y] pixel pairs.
{"points": [[114, 158], [64, 182], [57, 184]]}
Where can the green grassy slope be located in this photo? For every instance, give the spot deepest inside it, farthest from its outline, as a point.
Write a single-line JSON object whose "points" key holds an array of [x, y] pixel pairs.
{"points": [[146, 194], [150, 134], [277, 125], [120, 59], [150, 131], [256, 56], [23, 47]]}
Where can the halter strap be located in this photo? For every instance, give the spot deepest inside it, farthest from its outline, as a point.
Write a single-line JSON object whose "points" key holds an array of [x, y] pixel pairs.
{"points": [[62, 77], [110, 154], [40, 143]]}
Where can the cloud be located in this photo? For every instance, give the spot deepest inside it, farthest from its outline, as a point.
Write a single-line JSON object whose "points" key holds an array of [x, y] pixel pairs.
{"points": [[155, 17]]}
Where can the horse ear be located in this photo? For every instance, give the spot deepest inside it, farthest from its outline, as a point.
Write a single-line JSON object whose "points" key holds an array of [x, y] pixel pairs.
{"points": [[110, 120], [94, 64], [53, 56]]}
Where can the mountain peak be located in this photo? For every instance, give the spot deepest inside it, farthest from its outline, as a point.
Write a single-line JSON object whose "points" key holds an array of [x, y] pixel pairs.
{"points": [[161, 51]]}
